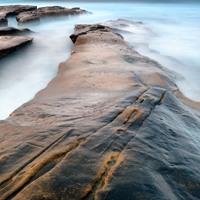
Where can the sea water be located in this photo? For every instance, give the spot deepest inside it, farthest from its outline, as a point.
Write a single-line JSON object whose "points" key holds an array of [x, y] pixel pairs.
{"points": [[175, 43]]}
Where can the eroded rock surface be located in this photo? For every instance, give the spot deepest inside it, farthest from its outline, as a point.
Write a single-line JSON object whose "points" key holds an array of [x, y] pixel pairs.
{"points": [[13, 31], [107, 127], [9, 44], [50, 11], [13, 10]]}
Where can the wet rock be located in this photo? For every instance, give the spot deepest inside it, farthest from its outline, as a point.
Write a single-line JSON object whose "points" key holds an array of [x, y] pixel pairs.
{"points": [[3, 21], [13, 31], [107, 127], [9, 44], [13, 10], [50, 11]]}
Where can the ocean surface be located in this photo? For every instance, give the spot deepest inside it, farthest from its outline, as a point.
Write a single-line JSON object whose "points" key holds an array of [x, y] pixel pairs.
{"points": [[170, 34]]}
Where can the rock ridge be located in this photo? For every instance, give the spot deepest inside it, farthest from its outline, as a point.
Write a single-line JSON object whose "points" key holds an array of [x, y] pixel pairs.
{"points": [[107, 127]]}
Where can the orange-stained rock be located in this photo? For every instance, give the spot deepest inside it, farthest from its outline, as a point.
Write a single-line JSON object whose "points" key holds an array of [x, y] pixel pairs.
{"points": [[108, 126]]}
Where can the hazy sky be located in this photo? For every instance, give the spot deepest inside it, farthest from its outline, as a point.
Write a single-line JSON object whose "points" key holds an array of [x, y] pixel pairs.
{"points": [[122, 1]]}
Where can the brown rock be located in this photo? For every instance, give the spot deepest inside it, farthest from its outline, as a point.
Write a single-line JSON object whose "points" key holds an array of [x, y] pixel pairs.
{"points": [[50, 11], [13, 10], [13, 31], [9, 44], [107, 127]]}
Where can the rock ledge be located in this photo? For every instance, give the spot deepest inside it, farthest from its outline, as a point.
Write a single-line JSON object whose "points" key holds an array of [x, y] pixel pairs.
{"points": [[50, 11]]}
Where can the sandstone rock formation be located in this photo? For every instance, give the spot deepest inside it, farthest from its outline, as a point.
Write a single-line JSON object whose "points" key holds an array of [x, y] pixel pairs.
{"points": [[13, 10], [11, 43], [13, 31], [109, 126], [48, 12]]}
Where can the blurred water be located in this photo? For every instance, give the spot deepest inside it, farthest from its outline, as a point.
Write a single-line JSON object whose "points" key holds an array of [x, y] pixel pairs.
{"points": [[177, 35]]}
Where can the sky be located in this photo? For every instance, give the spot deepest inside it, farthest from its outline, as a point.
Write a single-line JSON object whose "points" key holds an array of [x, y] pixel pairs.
{"points": [[122, 1]]}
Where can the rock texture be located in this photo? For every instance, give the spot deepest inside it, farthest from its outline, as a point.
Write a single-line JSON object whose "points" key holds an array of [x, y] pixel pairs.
{"points": [[107, 127], [50, 11], [13, 10], [9, 44], [3, 21], [13, 31]]}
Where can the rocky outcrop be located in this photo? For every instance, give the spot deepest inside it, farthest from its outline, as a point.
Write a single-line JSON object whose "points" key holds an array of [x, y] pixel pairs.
{"points": [[83, 30], [13, 31], [9, 44], [27, 13], [13, 10], [107, 127], [50, 11]]}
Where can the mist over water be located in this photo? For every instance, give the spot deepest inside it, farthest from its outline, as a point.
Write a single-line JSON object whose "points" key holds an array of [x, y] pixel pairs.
{"points": [[170, 34]]}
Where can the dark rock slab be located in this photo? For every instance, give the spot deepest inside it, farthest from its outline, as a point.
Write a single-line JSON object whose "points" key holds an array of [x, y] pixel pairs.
{"points": [[50, 11], [107, 127], [9, 44], [13, 10], [13, 31], [162, 160], [3, 21]]}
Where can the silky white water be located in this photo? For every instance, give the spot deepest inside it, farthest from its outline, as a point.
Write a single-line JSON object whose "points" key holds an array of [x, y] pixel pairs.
{"points": [[174, 41]]}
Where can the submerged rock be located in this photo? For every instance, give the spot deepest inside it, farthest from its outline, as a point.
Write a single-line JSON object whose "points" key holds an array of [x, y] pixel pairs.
{"points": [[13, 10], [9, 44], [107, 127], [122, 23], [50, 11], [13, 31]]}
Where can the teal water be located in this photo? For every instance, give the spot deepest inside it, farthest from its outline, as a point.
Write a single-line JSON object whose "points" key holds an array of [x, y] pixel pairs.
{"points": [[175, 44]]}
